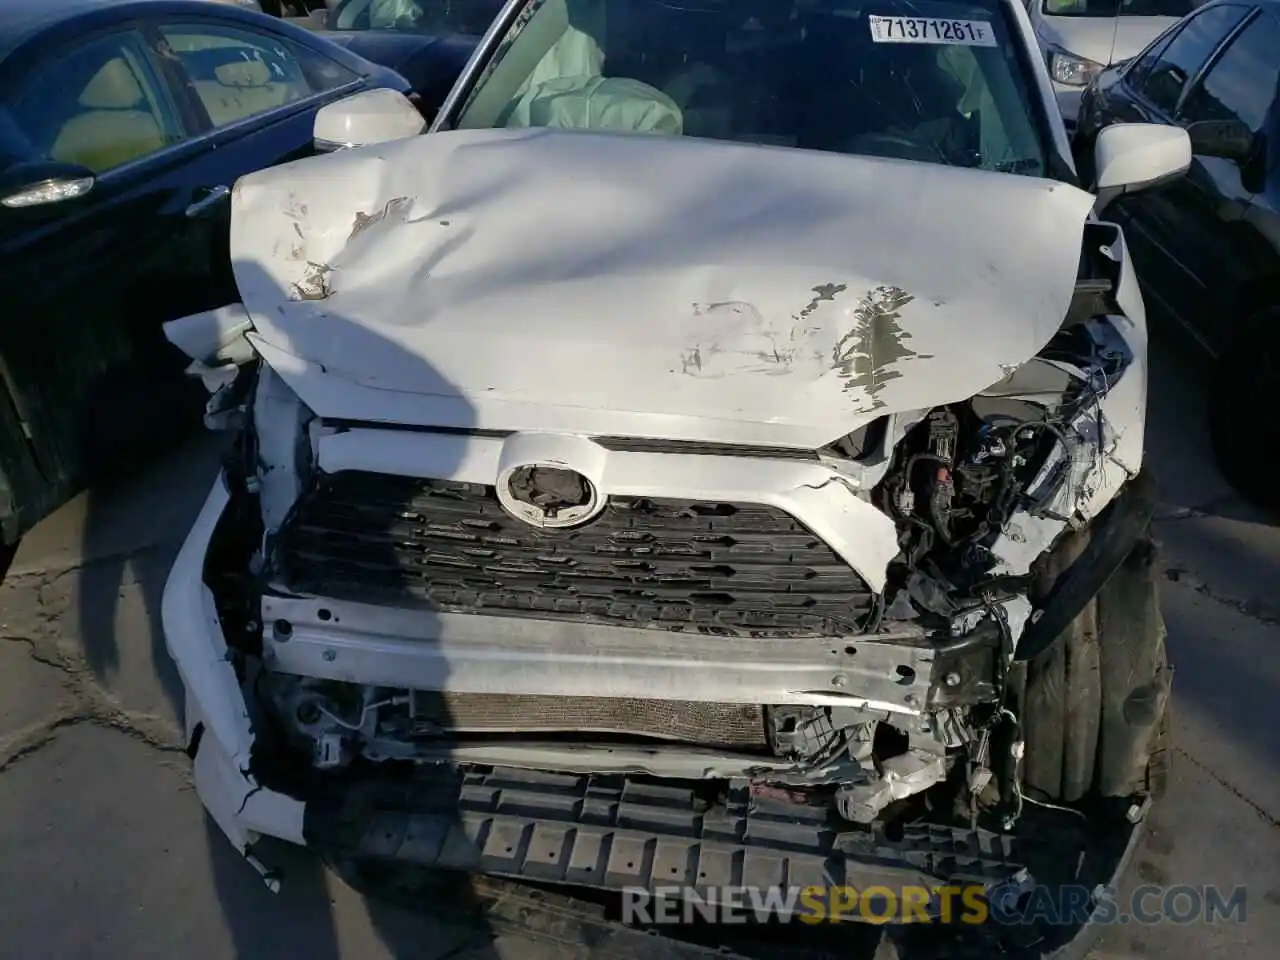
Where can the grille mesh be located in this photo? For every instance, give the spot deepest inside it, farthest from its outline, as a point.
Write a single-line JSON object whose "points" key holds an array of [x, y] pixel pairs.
{"points": [[673, 564]]}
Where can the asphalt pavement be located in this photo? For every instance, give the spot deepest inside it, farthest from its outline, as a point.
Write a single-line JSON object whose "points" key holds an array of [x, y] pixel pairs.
{"points": [[105, 850]]}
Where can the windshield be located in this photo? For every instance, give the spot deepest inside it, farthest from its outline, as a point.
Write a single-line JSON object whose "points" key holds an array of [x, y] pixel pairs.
{"points": [[1123, 8], [436, 17], [930, 80]]}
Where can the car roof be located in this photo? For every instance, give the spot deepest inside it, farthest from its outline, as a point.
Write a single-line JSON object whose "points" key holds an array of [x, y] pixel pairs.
{"points": [[20, 20], [1263, 4]]}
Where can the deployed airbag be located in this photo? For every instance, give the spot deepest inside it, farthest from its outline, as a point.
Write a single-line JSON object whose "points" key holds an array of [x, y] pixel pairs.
{"points": [[597, 103]]}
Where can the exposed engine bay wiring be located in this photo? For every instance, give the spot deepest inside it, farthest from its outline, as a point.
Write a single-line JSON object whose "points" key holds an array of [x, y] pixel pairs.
{"points": [[960, 476]]}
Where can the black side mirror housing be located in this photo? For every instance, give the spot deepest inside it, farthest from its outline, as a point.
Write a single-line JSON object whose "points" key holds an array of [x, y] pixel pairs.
{"points": [[42, 183], [1226, 139], [1232, 140], [426, 108]]}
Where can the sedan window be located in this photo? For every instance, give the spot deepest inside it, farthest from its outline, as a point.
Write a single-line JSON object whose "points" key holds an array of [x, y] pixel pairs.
{"points": [[1118, 8], [940, 81], [238, 74], [99, 105], [436, 17], [1241, 85], [1181, 59]]}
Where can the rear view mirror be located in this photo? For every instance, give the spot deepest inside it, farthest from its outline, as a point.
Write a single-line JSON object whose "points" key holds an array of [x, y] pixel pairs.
{"points": [[43, 182], [1128, 157], [372, 116], [1227, 139]]}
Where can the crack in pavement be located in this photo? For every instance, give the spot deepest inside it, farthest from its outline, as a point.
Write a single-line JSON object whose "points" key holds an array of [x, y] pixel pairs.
{"points": [[1212, 508], [30, 740], [50, 574], [1229, 787], [90, 702], [1249, 607], [34, 651]]}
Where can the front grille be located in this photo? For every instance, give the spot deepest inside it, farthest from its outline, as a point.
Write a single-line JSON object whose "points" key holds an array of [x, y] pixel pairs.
{"points": [[670, 564]]}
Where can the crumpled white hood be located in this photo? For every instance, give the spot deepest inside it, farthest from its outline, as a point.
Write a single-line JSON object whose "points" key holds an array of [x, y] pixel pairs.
{"points": [[646, 286]]}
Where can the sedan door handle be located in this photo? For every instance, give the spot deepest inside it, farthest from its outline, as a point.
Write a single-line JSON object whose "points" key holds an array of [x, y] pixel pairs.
{"points": [[208, 200]]}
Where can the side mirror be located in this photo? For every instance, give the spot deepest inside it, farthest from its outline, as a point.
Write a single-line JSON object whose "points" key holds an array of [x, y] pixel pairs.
{"points": [[1227, 139], [1128, 157], [368, 117], [43, 182]]}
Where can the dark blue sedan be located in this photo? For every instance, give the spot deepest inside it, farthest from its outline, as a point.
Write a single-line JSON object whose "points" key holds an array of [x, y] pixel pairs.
{"points": [[124, 125]]}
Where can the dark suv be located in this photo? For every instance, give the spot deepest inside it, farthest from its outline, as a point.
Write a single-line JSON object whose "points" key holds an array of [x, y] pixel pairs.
{"points": [[1211, 240]]}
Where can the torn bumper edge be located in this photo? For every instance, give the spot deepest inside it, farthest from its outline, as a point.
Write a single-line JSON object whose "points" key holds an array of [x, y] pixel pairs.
{"points": [[217, 719]]}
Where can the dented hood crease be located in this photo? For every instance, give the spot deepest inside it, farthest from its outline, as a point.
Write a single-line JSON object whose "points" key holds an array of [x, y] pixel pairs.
{"points": [[586, 282]]}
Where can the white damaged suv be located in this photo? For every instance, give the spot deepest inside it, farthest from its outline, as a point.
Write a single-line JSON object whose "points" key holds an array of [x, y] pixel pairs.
{"points": [[712, 453]]}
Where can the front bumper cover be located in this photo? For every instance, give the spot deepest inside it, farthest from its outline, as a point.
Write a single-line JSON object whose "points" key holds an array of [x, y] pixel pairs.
{"points": [[219, 731]]}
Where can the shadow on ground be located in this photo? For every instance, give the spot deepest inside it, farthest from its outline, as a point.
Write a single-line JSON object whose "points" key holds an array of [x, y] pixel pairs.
{"points": [[131, 533]]}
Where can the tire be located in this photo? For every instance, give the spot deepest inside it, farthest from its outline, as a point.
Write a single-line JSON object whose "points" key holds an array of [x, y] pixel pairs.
{"points": [[1242, 424], [1095, 704]]}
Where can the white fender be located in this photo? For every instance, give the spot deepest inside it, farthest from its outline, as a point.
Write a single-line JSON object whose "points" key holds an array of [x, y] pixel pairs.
{"points": [[215, 341]]}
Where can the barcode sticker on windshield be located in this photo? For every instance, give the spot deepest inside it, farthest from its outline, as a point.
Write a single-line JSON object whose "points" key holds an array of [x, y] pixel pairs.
{"points": [[969, 33]]}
